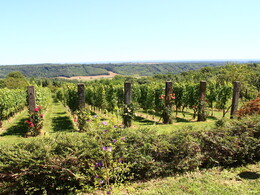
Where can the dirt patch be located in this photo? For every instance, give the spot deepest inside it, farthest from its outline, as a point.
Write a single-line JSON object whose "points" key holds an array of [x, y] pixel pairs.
{"points": [[86, 78]]}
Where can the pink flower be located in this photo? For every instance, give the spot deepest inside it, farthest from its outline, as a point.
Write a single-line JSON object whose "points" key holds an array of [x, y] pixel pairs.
{"points": [[31, 125], [104, 123], [36, 109], [41, 115], [109, 149], [75, 120]]}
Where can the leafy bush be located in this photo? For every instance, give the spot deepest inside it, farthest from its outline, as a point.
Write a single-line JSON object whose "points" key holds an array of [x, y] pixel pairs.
{"points": [[35, 122], [86, 161], [252, 107]]}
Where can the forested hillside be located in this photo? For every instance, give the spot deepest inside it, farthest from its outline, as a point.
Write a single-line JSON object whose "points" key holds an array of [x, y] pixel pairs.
{"points": [[69, 70]]}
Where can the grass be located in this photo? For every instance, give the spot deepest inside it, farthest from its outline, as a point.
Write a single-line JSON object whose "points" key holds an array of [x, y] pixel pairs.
{"points": [[241, 180], [14, 129], [57, 119], [184, 120]]}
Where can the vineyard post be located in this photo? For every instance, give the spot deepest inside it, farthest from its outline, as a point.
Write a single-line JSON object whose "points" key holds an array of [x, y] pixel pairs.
{"points": [[201, 106], [127, 100], [31, 99], [167, 119], [236, 93], [81, 96]]}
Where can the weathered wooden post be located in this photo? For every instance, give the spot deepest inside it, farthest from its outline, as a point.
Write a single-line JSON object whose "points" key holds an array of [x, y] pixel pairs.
{"points": [[31, 99], [81, 96], [202, 96], [167, 119], [127, 116], [236, 94]]}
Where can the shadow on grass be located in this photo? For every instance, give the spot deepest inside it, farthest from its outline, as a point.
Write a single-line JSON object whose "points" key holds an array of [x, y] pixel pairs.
{"points": [[249, 175], [62, 124], [181, 120], [19, 129], [212, 117], [144, 121]]}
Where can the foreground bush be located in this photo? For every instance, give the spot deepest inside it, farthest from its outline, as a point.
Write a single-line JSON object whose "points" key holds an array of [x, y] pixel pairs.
{"points": [[85, 161]]}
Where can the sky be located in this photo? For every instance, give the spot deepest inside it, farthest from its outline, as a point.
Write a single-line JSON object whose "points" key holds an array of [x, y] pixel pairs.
{"points": [[81, 31]]}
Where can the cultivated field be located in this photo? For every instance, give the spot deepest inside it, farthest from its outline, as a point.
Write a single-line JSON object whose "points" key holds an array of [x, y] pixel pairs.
{"points": [[86, 78]]}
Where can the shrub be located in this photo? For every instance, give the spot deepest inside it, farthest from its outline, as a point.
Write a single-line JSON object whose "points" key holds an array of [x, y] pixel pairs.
{"points": [[252, 107], [65, 163], [35, 123]]}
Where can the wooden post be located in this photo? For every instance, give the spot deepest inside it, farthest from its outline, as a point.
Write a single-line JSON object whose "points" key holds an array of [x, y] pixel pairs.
{"points": [[236, 94], [81, 96], [31, 99], [167, 119], [127, 100], [201, 107]]}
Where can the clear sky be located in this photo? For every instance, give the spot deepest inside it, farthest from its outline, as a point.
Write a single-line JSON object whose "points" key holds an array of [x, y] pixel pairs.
{"points": [[65, 31]]}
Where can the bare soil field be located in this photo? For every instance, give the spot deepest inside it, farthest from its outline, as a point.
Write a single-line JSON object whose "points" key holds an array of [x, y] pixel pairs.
{"points": [[86, 78]]}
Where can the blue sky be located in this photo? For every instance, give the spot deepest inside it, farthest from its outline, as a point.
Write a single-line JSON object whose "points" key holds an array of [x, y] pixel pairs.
{"points": [[66, 31]]}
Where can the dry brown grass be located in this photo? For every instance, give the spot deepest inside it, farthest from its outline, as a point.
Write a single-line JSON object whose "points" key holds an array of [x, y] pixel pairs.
{"points": [[87, 78]]}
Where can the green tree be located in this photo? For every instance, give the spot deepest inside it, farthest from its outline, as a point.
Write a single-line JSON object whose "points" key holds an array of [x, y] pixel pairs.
{"points": [[15, 80]]}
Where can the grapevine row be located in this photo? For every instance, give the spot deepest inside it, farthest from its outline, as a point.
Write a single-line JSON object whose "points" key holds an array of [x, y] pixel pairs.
{"points": [[147, 97]]}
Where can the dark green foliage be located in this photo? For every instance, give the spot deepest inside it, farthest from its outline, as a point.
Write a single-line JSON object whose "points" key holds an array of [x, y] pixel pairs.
{"points": [[63, 163], [11, 102], [69, 70], [15, 80]]}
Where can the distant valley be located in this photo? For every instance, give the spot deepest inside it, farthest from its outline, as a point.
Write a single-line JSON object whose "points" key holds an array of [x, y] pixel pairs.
{"points": [[72, 70]]}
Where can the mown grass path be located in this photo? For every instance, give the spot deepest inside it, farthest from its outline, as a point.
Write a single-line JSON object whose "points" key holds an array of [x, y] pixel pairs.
{"points": [[56, 119], [14, 128]]}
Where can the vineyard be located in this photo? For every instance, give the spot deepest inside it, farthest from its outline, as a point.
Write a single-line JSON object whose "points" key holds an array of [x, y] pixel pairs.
{"points": [[149, 98], [93, 135]]}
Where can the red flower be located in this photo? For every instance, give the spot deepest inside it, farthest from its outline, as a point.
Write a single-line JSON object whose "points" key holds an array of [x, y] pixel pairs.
{"points": [[162, 97], [36, 109], [31, 125], [172, 96]]}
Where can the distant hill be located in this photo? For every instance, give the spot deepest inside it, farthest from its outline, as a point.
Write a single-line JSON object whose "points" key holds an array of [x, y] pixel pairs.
{"points": [[69, 70]]}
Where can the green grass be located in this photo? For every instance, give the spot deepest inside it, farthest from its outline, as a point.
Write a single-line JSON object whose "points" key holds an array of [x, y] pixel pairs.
{"points": [[57, 119], [14, 129], [184, 120], [241, 180]]}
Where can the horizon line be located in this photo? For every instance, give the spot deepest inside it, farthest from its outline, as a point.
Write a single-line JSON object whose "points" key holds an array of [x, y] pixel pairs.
{"points": [[141, 61]]}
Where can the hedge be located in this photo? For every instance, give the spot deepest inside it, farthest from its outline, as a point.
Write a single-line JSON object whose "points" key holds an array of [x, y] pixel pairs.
{"points": [[72, 162]]}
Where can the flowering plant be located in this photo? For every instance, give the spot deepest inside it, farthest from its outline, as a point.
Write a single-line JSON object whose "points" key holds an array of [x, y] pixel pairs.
{"points": [[128, 114], [110, 167], [35, 123], [167, 108]]}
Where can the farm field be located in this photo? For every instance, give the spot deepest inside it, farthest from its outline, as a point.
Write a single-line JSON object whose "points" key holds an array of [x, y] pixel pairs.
{"points": [[87, 78], [130, 97], [57, 119], [129, 135]]}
